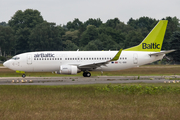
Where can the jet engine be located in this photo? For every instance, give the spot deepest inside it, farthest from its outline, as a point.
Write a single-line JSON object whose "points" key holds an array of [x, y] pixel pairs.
{"points": [[68, 69]]}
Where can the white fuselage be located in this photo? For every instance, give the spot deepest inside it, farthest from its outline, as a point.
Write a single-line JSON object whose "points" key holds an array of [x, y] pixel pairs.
{"points": [[50, 61]]}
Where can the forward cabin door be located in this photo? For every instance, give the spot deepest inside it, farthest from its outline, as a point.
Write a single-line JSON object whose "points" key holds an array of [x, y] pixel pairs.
{"points": [[135, 58], [29, 59]]}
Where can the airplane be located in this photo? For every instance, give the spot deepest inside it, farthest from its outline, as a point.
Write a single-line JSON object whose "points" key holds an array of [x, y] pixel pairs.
{"points": [[73, 62]]}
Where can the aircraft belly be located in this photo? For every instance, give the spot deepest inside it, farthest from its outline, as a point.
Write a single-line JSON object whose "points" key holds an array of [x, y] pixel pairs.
{"points": [[115, 67], [46, 68]]}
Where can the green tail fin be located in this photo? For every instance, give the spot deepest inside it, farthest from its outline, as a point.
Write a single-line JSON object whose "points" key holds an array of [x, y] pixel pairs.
{"points": [[153, 41]]}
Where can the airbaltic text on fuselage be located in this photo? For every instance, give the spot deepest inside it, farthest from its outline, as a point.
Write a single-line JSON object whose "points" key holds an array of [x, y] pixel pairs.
{"points": [[150, 46], [44, 55]]}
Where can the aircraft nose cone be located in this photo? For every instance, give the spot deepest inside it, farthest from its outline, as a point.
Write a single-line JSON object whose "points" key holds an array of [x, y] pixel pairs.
{"points": [[6, 64]]}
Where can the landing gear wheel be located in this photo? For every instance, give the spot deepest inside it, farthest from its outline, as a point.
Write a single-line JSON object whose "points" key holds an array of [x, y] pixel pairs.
{"points": [[87, 74], [23, 75], [84, 74]]}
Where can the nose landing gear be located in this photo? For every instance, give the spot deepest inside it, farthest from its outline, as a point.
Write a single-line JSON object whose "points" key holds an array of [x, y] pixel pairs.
{"points": [[86, 74], [23, 75]]}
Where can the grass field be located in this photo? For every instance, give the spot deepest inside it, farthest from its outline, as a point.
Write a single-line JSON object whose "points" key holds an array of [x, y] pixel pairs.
{"points": [[149, 70], [81, 102], [99, 101]]}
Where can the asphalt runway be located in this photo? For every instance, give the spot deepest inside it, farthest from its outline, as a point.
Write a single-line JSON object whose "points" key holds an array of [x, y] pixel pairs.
{"points": [[84, 80]]}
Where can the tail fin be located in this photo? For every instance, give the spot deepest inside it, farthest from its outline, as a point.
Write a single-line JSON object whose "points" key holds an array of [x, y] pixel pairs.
{"points": [[153, 41]]}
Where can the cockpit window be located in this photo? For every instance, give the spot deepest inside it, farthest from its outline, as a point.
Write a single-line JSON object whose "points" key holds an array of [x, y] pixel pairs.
{"points": [[16, 58]]}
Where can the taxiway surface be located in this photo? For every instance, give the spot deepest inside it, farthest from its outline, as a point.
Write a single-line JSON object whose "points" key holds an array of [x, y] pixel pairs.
{"points": [[83, 80]]}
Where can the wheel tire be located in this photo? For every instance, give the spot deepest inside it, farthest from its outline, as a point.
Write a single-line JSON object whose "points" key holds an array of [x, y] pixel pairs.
{"points": [[88, 74], [84, 74], [23, 75]]}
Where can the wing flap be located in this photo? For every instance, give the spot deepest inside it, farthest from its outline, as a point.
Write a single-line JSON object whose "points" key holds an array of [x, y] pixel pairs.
{"points": [[93, 65], [99, 64]]}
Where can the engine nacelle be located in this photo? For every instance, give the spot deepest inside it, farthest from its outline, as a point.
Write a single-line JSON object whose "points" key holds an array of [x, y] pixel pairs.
{"points": [[68, 69]]}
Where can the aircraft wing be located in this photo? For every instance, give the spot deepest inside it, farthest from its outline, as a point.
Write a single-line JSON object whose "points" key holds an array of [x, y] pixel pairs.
{"points": [[95, 65], [161, 53]]}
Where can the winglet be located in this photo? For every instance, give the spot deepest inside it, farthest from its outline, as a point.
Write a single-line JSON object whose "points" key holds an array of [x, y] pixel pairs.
{"points": [[116, 57]]}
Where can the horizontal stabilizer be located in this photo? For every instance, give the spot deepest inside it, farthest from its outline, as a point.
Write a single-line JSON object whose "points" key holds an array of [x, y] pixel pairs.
{"points": [[162, 52]]}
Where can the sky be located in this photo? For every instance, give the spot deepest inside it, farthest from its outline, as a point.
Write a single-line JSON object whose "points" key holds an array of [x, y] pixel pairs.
{"points": [[63, 11]]}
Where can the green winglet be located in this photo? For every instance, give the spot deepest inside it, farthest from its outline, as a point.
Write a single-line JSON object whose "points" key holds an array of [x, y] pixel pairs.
{"points": [[19, 71], [116, 57]]}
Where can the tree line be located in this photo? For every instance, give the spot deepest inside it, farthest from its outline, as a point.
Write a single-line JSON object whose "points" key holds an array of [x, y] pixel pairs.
{"points": [[27, 31]]}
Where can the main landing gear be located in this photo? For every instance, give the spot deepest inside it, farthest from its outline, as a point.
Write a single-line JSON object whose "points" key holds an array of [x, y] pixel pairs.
{"points": [[86, 74], [23, 75]]}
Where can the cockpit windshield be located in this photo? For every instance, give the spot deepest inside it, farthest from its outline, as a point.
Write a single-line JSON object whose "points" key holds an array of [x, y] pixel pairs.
{"points": [[15, 58]]}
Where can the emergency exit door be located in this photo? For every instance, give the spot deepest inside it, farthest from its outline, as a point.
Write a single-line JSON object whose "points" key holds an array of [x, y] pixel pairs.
{"points": [[29, 59], [135, 58]]}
